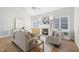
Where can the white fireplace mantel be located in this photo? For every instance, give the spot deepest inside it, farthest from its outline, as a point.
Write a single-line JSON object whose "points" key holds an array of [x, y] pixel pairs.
{"points": [[46, 26]]}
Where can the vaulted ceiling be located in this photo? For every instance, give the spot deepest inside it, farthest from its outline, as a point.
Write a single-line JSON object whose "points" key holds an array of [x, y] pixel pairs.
{"points": [[40, 10]]}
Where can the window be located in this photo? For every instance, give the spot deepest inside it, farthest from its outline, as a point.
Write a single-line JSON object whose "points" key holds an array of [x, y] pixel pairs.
{"points": [[64, 22], [60, 23]]}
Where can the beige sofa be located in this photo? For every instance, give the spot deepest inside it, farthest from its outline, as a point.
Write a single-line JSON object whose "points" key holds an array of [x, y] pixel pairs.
{"points": [[22, 40]]}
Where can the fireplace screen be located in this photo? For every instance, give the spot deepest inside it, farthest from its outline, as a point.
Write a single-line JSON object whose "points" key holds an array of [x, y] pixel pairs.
{"points": [[45, 31]]}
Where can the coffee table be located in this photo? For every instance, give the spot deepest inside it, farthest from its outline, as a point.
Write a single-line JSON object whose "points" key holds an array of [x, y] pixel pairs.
{"points": [[37, 46]]}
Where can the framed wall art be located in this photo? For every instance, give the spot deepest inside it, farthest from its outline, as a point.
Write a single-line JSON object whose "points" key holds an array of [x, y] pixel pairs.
{"points": [[46, 20]]}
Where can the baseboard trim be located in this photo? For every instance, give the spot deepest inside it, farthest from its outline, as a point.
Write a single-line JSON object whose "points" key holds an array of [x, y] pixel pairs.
{"points": [[4, 36]]}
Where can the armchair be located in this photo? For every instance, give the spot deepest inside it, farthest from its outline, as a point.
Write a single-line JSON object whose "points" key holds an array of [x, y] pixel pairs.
{"points": [[54, 39]]}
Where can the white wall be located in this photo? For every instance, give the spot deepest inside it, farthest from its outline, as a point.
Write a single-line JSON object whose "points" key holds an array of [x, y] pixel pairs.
{"points": [[7, 16], [76, 25]]}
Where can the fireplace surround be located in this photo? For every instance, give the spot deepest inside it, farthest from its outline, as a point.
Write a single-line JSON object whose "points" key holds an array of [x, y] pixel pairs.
{"points": [[45, 31]]}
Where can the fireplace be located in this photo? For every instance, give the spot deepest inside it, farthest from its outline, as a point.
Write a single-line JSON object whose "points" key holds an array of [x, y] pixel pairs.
{"points": [[45, 31]]}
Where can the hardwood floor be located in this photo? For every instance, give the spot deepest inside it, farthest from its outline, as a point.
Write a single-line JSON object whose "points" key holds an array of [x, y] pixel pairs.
{"points": [[66, 46], [6, 45]]}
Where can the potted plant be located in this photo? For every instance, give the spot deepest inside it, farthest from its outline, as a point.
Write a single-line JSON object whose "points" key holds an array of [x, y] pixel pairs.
{"points": [[66, 35]]}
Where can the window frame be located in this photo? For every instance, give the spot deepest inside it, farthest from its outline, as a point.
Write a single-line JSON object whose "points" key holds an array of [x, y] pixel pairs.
{"points": [[60, 23]]}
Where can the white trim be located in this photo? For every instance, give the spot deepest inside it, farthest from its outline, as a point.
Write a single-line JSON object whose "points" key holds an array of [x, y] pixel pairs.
{"points": [[5, 36]]}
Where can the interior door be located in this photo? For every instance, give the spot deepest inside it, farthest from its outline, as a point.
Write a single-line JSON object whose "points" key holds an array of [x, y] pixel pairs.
{"points": [[18, 23]]}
